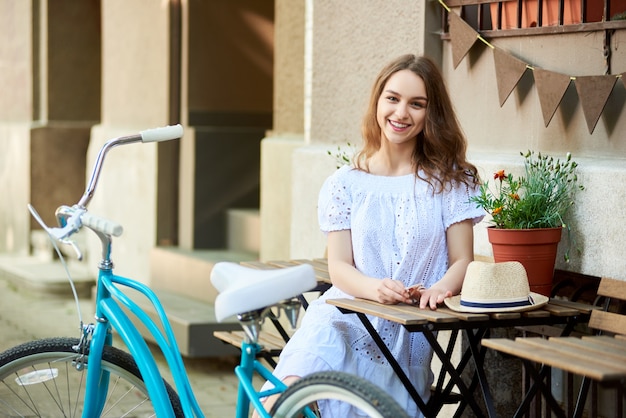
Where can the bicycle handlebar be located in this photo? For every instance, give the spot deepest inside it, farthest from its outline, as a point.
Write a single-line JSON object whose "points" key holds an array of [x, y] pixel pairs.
{"points": [[162, 134], [150, 135], [105, 226], [72, 219]]}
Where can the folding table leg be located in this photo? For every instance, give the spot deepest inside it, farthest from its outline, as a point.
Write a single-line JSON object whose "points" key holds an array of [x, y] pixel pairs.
{"points": [[479, 358], [452, 371], [437, 399]]}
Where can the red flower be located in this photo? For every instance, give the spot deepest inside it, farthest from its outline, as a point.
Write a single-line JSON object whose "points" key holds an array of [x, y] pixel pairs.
{"points": [[514, 196], [499, 175]]}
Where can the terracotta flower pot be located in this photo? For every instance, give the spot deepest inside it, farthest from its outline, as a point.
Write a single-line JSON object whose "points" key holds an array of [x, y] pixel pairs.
{"points": [[536, 249]]}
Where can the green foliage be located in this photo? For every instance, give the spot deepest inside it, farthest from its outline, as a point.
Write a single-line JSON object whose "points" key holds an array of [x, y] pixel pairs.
{"points": [[541, 198], [341, 156], [619, 16]]}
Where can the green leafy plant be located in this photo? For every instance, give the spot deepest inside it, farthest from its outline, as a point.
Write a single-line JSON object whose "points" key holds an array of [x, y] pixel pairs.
{"points": [[341, 155], [541, 198]]}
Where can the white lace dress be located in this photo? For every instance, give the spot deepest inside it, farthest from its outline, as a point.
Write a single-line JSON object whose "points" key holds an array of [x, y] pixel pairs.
{"points": [[398, 230]]}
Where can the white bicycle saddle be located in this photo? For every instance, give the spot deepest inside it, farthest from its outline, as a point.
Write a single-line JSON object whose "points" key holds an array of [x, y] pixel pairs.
{"points": [[243, 289]]}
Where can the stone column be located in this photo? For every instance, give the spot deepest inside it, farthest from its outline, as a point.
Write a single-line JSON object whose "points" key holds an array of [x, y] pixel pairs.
{"points": [[288, 130], [50, 78], [137, 74], [16, 115]]}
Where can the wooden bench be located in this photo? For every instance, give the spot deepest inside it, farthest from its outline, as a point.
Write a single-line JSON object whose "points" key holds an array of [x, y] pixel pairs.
{"points": [[600, 357]]}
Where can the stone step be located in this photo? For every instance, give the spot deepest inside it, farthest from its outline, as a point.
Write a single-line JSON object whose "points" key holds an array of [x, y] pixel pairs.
{"points": [[188, 272], [181, 280], [47, 275], [193, 323]]}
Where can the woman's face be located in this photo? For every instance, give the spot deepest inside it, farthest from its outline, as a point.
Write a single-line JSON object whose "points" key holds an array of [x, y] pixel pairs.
{"points": [[401, 109]]}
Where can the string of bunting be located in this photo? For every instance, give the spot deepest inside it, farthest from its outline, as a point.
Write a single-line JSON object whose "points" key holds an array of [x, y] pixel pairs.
{"points": [[593, 91]]}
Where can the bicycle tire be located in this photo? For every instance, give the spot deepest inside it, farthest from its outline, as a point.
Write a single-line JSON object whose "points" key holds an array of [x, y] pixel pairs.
{"points": [[38, 378], [334, 385]]}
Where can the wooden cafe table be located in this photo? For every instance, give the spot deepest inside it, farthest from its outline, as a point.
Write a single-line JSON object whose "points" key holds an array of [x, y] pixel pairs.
{"points": [[474, 326]]}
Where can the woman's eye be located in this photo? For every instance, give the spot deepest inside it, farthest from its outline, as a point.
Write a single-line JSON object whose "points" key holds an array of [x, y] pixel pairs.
{"points": [[392, 98], [418, 105]]}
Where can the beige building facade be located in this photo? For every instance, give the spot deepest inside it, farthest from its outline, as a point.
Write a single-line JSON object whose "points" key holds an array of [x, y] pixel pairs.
{"points": [[265, 89], [345, 47]]}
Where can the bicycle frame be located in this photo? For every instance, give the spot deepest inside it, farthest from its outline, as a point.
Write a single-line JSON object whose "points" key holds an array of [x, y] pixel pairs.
{"points": [[110, 316], [112, 305]]}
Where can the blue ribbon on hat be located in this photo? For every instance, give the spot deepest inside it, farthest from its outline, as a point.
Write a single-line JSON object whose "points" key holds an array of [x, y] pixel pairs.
{"points": [[490, 305]]}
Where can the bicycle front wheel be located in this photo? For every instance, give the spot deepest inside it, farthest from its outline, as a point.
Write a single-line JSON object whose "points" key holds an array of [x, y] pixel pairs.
{"points": [[364, 396], [40, 379]]}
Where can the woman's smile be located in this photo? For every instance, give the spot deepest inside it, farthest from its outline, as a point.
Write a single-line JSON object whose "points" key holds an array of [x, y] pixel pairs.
{"points": [[398, 125]]}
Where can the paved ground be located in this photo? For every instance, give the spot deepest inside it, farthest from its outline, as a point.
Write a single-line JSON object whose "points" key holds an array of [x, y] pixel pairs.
{"points": [[28, 313]]}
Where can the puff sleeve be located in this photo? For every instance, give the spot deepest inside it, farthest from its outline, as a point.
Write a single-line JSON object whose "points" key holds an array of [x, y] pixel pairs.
{"points": [[334, 203], [457, 206]]}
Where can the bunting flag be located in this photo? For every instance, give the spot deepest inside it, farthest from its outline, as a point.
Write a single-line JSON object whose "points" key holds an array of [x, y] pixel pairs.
{"points": [[594, 91], [462, 37], [509, 71], [551, 88]]}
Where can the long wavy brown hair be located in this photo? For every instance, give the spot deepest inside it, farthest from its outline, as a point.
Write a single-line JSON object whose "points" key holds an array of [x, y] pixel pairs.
{"points": [[441, 146]]}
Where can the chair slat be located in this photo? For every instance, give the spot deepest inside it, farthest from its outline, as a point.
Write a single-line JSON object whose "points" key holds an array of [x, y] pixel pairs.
{"points": [[601, 347], [612, 288], [608, 321], [540, 351]]}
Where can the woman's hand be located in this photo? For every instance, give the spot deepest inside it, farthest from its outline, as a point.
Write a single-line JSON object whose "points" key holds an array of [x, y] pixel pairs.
{"points": [[432, 297], [391, 292], [426, 298], [460, 238]]}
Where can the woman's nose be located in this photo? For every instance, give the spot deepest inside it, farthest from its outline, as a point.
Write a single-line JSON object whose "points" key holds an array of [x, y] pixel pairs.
{"points": [[402, 110]]}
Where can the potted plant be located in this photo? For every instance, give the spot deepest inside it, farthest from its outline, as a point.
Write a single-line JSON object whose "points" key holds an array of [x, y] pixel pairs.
{"points": [[528, 214]]}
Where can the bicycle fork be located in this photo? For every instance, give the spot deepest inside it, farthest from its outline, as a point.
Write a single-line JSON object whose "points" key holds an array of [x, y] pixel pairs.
{"points": [[100, 335]]}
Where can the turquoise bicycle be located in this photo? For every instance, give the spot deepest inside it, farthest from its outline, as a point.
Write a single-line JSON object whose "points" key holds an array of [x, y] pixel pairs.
{"points": [[87, 376]]}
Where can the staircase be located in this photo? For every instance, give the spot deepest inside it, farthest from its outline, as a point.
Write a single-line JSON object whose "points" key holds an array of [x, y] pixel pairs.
{"points": [[180, 278]]}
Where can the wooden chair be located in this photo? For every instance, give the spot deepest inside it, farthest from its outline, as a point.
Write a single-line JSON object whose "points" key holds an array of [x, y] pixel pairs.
{"points": [[599, 358]]}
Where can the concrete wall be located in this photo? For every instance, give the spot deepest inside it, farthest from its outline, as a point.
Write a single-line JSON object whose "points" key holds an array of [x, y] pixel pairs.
{"points": [[343, 47], [498, 134], [342, 56]]}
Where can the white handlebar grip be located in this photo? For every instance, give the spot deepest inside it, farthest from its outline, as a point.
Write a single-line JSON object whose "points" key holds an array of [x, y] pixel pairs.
{"points": [[103, 225], [162, 134]]}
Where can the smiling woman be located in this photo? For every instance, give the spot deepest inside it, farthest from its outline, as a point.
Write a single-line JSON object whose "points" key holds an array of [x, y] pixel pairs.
{"points": [[413, 177]]}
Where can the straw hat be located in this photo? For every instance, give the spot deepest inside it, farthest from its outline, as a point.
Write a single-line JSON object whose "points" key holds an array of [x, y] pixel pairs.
{"points": [[495, 287]]}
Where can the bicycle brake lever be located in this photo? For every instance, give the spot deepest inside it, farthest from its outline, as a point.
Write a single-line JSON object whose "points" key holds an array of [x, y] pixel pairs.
{"points": [[79, 254], [72, 224]]}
